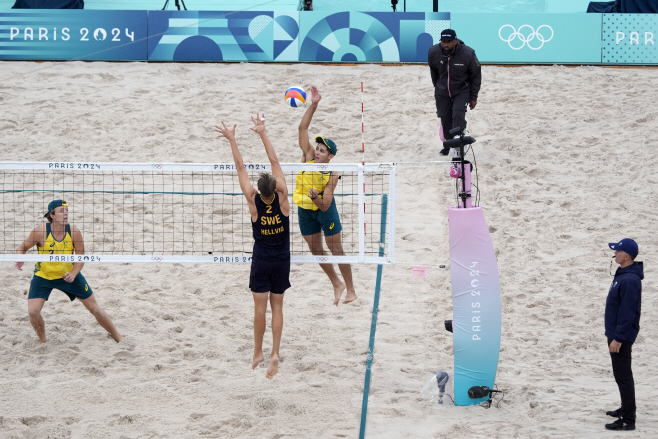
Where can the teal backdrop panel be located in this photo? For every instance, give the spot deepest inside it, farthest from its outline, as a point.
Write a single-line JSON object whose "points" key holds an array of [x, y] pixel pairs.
{"points": [[61, 34], [223, 36], [562, 6], [531, 38], [372, 6], [475, 6], [630, 38], [369, 36]]}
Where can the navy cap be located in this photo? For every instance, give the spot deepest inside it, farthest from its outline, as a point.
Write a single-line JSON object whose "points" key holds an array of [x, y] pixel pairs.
{"points": [[54, 205], [448, 35], [333, 149], [627, 245]]}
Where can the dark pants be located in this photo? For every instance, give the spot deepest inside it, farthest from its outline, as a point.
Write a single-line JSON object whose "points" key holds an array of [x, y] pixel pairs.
{"points": [[452, 111], [621, 369]]}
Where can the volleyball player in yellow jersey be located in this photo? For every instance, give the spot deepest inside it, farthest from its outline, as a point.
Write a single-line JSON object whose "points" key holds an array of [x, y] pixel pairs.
{"points": [[58, 237], [270, 222], [316, 206]]}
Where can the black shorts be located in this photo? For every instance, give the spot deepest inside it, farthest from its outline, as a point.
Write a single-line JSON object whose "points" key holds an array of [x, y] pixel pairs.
{"points": [[269, 276], [41, 288]]}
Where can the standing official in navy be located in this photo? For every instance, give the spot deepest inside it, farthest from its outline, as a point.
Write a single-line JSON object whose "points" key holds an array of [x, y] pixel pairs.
{"points": [[622, 324], [456, 75]]}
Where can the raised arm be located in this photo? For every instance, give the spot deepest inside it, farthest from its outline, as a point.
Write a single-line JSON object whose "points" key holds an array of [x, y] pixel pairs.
{"points": [[308, 152], [281, 187], [247, 189], [35, 238]]}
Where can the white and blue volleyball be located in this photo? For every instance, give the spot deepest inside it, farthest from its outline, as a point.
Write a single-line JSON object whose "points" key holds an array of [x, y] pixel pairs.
{"points": [[296, 97]]}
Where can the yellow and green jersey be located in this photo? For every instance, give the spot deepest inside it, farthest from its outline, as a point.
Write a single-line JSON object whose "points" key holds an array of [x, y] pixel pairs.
{"points": [[307, 180], [55, 270]]}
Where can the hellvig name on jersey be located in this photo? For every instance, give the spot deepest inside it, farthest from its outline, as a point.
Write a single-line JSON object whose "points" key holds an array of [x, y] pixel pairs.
{"points": [[271, 231]]}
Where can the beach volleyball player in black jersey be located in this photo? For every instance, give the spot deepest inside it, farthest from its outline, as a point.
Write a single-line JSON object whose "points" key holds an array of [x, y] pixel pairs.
{"points": [[270, 266]]}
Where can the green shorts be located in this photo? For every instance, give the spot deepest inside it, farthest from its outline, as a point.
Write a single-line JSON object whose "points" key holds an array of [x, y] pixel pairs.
{"points": [[312, 221], [41, 288]]}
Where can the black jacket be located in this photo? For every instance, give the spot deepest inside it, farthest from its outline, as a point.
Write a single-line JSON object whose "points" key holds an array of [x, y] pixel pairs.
{"points": [[451, 75], [622, 307]]}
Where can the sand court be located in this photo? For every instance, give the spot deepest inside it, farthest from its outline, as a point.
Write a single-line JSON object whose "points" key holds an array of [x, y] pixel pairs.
{"points": [[565, 158]]}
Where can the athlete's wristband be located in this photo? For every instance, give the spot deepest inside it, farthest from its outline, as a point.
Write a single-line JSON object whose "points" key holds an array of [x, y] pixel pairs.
{"points": [[313, 198]]}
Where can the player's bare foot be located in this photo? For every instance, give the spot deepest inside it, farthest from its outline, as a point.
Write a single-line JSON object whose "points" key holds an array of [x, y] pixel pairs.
{"points": [[351, 296], [274, 367], [258, 358], [338, 291]]}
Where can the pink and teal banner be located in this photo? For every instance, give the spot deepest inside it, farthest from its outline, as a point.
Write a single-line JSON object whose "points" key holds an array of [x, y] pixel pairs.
{"points": [[476, 302]]}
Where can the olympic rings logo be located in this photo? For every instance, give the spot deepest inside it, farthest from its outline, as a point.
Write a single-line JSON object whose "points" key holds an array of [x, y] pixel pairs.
{"points": [[321, 166], [157, 166], [321, 258], [526, 39], [157, 258]]}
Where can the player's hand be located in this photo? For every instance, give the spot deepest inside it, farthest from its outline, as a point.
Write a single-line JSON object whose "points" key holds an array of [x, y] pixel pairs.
{"points": [[615, 346], [68, 277], [19, 265], [313, 193], [223, 131], [472, 104], [315, 95], [259, 124]]}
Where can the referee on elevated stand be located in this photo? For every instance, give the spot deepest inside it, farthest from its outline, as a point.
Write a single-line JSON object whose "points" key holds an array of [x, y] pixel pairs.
{"points": [[456, 75]]}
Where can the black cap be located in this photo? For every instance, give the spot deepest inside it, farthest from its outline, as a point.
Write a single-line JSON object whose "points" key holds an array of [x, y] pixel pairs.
{"points": [[54, 205], [448, 35]]}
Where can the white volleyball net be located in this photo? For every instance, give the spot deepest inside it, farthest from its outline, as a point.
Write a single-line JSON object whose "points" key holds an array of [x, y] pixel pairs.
{"points": [[196, 213]]}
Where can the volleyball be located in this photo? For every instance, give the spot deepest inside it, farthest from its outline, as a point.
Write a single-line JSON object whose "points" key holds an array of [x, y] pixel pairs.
{"points": [[296, 97]]}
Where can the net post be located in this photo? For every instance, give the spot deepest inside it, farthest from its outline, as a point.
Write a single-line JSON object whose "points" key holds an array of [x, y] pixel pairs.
{"points": [[391, 226], [362, 214]]}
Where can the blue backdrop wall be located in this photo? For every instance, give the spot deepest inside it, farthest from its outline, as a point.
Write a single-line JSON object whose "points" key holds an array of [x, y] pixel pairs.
{"points": [[349, 37]]}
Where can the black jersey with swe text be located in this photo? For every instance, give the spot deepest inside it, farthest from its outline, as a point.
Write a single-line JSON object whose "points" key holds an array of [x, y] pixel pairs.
{"points": [[271, 231]]}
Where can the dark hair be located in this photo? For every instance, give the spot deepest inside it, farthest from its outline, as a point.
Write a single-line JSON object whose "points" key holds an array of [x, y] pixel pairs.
{"points": [[266, 184]]}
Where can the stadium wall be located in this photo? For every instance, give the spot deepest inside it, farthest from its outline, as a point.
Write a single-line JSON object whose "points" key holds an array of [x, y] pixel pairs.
{"points": [[351, 37]]}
